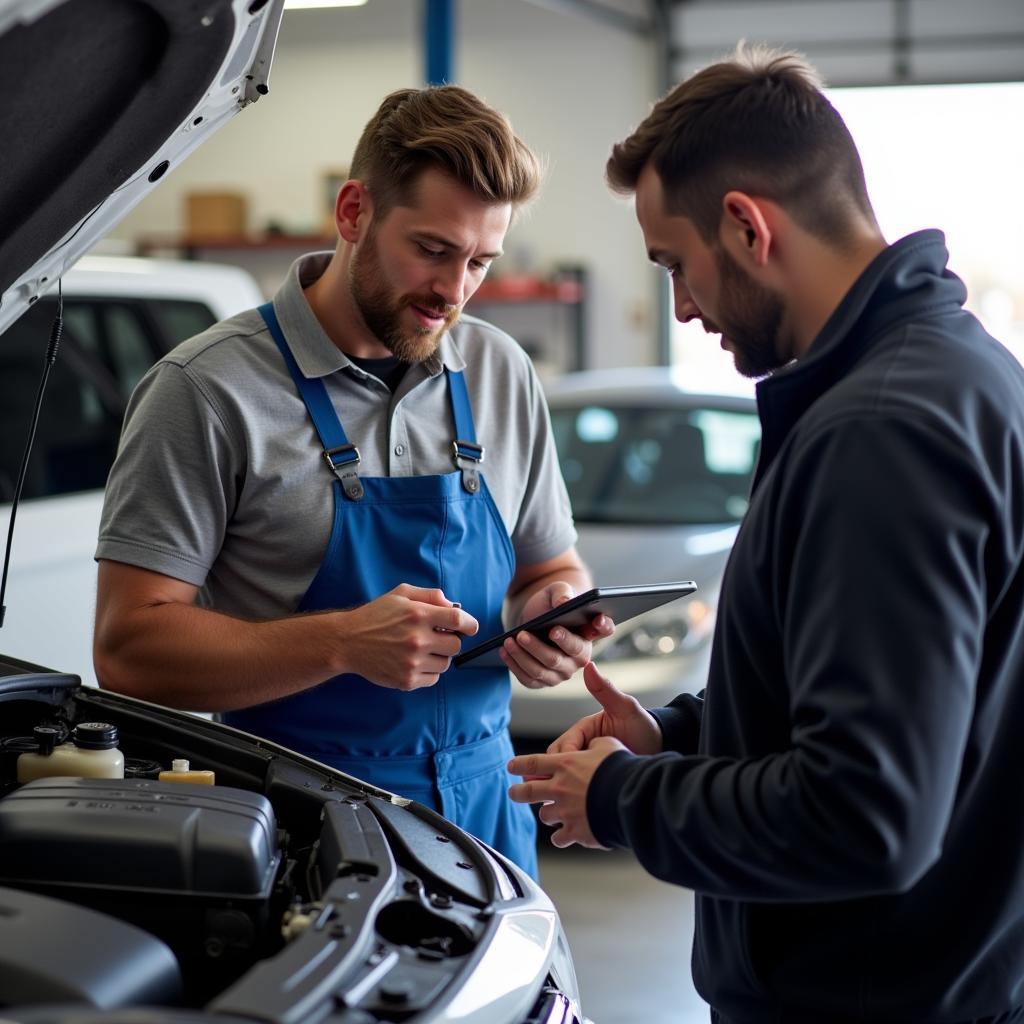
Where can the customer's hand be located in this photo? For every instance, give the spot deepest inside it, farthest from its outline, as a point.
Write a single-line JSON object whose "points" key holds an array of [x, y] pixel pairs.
{"points": [[621, 717], [537, 662], [559, 782], [404, 639]]}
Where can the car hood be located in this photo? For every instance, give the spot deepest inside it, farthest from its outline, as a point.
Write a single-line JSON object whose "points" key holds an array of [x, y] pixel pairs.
{"points": [[625, 555], [101, 99]]}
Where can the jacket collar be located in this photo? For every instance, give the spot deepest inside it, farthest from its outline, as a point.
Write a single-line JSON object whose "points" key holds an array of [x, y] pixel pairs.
{"points": [[904, 281]]}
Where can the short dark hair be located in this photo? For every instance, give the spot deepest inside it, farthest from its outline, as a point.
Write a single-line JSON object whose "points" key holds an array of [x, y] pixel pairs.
{"points": [[757, 122], [448, 128]]}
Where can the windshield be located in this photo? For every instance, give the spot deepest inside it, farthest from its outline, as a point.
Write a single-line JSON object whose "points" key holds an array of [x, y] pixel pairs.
{"points": [[651, 465]]}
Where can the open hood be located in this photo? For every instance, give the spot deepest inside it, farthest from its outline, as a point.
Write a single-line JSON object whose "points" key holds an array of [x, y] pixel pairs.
{"points": [[101, 98]]}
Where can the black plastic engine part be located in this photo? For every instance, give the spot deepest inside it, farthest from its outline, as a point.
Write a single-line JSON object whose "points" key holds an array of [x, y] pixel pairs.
{"points": [[52, 951]]}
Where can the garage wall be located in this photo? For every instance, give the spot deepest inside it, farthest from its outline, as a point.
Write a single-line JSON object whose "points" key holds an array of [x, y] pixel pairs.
{"points": [[570, 84], [862, 42]]}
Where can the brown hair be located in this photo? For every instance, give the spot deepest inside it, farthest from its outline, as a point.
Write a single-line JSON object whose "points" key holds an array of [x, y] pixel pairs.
{"points": [[448, 128], [757, 122]]}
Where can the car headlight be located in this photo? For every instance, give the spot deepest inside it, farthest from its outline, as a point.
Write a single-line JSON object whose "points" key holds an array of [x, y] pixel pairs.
{"points": [[675, 630]]}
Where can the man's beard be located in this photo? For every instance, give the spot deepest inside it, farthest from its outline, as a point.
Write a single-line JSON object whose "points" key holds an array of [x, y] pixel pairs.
{"points": [[382, 313], [753, 322]]}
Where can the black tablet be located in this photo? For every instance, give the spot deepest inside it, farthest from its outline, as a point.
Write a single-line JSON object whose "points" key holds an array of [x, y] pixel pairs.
{"points": [[619, 603]]}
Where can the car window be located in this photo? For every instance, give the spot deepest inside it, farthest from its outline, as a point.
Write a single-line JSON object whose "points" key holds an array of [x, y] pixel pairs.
{"points": [[650, 465], [178, 319], [81, 322], [129, 347], [109, 343]]}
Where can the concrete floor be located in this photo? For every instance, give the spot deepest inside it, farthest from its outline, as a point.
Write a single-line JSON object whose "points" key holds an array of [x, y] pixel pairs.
{"points": [[630, 937]]}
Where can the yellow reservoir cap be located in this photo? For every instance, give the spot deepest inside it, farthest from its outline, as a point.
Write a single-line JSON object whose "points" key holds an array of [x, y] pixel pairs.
{"points": [[181, 772]]}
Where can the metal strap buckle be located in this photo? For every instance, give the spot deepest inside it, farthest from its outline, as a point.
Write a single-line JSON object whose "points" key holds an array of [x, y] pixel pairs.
{"points": [[467, 450], [351, 455], [467, 455], [344, 468]]}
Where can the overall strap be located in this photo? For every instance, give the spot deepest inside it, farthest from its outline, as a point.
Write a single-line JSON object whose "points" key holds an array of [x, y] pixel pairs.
{"points": [[466, 453], [339, 454]]}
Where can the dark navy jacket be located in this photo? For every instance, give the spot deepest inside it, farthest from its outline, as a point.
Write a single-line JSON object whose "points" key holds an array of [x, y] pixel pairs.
{"points": [[847, 800]]}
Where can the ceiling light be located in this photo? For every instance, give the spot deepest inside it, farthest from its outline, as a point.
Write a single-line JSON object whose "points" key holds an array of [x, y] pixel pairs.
{"points": [[297, 5]]}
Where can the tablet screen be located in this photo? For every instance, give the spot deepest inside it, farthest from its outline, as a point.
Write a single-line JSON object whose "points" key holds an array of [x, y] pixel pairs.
{"points": [[619, 603]]}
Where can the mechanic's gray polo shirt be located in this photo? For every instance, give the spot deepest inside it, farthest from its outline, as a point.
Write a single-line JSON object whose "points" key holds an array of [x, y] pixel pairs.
{"points": [[219, 479]]}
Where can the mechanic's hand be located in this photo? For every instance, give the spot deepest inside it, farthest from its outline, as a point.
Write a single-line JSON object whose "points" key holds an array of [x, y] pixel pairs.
{"points": [[560, 782], [537, 664], [621, 717], [405, 638]]}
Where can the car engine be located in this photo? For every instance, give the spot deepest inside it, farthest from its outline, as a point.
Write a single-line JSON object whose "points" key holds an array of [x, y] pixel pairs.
{"points": [[286, 892]]}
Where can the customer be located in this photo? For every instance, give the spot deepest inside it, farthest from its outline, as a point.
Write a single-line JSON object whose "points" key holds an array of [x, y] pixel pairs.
{"points": [[300, 501], [846, 796]]}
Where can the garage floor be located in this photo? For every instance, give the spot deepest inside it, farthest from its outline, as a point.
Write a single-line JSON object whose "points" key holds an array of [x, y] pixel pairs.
{"points": [[630, 937]]}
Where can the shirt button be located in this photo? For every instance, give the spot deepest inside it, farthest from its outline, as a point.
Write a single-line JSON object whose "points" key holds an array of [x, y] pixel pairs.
{"points": [[399, 449]]}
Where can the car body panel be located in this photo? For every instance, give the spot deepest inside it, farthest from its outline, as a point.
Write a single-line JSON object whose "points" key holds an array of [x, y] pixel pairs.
{"points": [[225, 289]]}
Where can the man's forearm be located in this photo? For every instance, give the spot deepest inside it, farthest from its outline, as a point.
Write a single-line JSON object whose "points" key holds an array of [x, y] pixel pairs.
{"points": [[190, 657]]}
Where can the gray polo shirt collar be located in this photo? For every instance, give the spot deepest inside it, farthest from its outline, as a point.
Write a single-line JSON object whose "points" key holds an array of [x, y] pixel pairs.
{"points": [[314, 351]]}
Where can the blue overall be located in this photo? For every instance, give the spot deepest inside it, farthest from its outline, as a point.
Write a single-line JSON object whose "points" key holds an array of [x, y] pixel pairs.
{"points": [[444, 745]]}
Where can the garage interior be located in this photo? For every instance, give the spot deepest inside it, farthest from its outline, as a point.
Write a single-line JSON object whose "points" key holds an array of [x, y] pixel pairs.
{"points": [[573, 76]]}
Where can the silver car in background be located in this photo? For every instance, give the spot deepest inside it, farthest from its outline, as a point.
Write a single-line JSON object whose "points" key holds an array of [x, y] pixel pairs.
{"points": [[659, 479]]}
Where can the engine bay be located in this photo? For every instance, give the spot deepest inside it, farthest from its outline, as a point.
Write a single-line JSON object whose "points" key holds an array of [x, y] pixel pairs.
{"points": [[278, 893]]}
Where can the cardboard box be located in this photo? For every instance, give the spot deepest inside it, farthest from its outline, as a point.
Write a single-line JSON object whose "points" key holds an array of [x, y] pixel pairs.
{"points": [[215, 214]]}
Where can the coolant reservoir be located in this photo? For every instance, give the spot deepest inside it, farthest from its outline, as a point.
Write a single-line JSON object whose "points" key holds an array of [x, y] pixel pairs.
{"points": [[91, 753], [180, 772]]}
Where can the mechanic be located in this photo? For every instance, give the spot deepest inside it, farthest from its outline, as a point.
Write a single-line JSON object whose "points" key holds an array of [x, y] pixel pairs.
{"points": [[300, 502], [845, 796]]}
